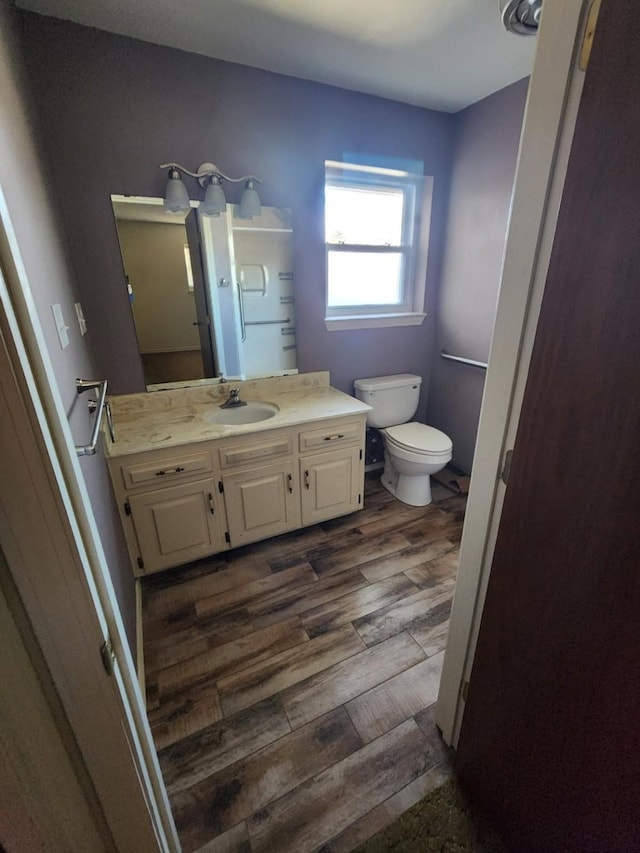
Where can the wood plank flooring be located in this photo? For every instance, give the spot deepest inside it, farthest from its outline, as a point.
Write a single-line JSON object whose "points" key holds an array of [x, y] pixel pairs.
{"points": [[291, 683]]}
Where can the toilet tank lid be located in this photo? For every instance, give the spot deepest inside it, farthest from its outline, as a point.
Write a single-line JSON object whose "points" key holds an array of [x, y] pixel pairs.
{"points": [[378, 383]]}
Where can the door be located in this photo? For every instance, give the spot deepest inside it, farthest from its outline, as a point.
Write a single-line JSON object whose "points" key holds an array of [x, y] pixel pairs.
{"points": [[553, 99], [177, 524], [41, 540], [203, 310], [551, 731], [330, 485], [261, 502]]}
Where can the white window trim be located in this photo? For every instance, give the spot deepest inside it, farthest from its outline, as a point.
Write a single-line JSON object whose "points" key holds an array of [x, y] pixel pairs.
{"points": [[338, 320]]}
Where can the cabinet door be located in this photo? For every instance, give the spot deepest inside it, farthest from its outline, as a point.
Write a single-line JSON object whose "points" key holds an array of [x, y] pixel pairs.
{"points": [[176, 525], [331, 484], [261, 502]]}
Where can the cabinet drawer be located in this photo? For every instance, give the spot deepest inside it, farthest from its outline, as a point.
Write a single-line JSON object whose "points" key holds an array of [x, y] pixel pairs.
{"points": [[330, 436], [267, 448], [167, 470]]}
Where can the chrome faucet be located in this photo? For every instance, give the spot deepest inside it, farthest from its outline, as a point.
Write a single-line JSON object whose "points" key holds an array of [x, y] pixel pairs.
{"points": [[233, 401]]}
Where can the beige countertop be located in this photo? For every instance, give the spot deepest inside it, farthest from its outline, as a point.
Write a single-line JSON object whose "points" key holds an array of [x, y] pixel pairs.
{"points": [[171, 418]]}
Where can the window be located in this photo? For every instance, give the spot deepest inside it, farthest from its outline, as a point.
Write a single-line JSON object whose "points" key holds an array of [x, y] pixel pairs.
{"points": [[376, 233]]}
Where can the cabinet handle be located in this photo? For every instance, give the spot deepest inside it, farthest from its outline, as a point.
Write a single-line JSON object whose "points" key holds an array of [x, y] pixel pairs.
{"points": [[211, 506], [290, 482], [177, 470], [306, 479], [333, 437]]}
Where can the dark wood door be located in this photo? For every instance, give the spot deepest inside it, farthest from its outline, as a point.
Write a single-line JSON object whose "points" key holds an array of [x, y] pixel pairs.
{"points": [[550, 741]]}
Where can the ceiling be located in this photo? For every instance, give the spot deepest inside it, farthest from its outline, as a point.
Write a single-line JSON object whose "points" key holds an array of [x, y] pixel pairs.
{"points": [[443, 54]]}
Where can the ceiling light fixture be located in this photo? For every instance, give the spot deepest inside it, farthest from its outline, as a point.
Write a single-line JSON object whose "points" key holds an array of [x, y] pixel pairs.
{"points": [[210, 178]]}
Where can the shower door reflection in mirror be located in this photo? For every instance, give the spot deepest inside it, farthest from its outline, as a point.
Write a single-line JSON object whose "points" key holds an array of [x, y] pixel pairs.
{"points": [[209, 295]]}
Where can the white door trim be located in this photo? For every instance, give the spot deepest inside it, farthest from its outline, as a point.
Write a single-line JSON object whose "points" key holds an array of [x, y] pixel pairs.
{"points": [[42, 437], [549, 122]]}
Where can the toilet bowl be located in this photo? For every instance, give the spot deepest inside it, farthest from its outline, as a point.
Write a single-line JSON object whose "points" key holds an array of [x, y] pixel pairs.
{"points": [[413, 451]]}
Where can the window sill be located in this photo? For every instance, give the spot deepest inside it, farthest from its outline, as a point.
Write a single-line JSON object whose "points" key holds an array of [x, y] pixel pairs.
{"points": [[372, 321]]}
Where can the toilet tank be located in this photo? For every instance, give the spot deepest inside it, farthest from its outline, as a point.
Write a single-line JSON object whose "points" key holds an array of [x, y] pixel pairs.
{"points": [[393, 399]]}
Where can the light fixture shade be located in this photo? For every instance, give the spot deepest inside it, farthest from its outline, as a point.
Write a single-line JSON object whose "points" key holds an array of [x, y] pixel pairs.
{"points": [[214, 201], [250, 202], [176, 198]]}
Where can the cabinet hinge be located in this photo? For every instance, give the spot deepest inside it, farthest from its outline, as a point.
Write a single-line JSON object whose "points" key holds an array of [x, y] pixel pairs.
{"points": [[360, 498], [140, 563], [465, 690], [127, 508], [108, 656], [220, 487], [360, 453], [227, 538]]}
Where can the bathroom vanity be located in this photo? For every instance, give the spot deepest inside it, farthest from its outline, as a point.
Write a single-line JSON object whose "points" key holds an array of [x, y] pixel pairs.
{"points": [[188, 485]]}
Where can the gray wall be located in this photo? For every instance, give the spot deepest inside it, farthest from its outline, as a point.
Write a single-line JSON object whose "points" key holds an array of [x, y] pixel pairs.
{"points": [[487, 135], [113, 109], [42, 249]]}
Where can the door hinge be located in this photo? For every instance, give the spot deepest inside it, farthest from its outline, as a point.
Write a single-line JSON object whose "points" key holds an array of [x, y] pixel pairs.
{"points": [[506, 467], [140, 563], [227, 538], [108, 656], [465, 690], [127, 508], [589, 32], [220, 487]]}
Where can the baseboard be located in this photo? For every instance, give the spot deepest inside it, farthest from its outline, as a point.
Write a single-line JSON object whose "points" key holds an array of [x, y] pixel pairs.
{"points": [[140, 641]]}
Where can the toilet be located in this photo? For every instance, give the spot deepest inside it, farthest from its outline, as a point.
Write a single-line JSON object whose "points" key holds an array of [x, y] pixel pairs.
{"points": [[413, 451]]}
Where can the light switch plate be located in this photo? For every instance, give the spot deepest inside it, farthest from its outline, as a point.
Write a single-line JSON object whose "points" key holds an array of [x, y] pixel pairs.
{"points": [[61, 327], [81, 321]]}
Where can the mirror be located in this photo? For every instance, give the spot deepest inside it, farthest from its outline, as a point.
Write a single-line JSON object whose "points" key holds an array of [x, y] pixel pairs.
{"points": [[209, 294]]}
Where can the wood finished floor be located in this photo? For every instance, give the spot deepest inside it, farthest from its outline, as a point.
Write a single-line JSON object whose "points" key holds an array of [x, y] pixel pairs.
{"points": [[291, 684]]}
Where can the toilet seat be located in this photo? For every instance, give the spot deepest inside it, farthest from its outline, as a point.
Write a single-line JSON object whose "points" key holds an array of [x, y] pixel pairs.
{"points": [[419, 438]]}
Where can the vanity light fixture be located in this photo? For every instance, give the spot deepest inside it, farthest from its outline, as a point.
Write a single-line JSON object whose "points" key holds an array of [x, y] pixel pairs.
{"points": [[210, 179]]}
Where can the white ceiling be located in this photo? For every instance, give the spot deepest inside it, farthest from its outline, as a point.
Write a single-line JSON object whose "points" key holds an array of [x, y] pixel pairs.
{"points": [[443, 54]]}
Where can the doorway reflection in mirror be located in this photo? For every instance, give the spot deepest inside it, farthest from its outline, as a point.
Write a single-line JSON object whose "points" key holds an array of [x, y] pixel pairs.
{"points": [[209, 295]]}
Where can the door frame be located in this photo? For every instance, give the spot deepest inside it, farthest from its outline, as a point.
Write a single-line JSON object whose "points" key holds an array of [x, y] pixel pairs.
{"points": [[549, 122], [72, 607]]}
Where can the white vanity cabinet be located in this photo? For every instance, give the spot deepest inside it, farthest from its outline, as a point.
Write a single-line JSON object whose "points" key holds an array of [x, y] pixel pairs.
{"points": [[170, 507], [260, 485], [176, 524], [188, 502], [331, 480]]}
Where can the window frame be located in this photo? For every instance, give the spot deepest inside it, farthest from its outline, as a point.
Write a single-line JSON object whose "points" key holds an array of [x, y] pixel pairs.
{"points": [[417, 191]]}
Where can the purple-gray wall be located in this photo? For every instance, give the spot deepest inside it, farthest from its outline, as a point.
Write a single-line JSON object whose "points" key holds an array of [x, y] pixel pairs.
{"points": [[41, 243], [485, 150], [113, 109]]}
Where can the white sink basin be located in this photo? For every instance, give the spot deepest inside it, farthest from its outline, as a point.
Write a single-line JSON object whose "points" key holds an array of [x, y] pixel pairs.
{"points": [[251, 413]]}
